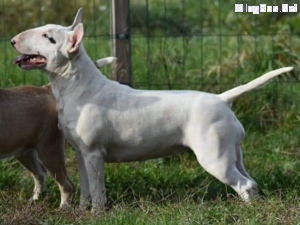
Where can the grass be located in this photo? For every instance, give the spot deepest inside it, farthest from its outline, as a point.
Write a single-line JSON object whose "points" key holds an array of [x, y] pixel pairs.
{"points": [[186, 212], [173, 190], [176, 46]]}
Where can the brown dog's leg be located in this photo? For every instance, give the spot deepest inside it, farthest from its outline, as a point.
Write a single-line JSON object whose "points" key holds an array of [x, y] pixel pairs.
{"points": [[31, 162], [51, 153]]}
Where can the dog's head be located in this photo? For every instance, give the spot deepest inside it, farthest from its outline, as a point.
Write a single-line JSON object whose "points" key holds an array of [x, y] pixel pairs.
{"points": [[48, 47]]}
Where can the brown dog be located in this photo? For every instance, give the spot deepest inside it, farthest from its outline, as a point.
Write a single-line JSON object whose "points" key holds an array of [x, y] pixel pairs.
{"points": [[28, 128]]}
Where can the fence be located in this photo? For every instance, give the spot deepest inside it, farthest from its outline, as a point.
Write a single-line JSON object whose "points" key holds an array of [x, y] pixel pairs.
{"points": [[174, 44]]}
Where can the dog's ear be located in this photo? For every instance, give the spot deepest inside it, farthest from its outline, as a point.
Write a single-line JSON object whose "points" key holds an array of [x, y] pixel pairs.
{"points": [[75, 38], [77, 20]]}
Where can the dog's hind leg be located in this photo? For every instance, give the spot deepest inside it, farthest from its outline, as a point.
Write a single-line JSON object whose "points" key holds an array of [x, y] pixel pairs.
{"points": [[240, 164], [31, 162], [51, 154], [217, 155]]}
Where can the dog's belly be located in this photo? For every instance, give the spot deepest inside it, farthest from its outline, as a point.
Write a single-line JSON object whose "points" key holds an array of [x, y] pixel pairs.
{"points": [[8, 155], [128, 151], [125, 152], [140, 154], [14, 152]]}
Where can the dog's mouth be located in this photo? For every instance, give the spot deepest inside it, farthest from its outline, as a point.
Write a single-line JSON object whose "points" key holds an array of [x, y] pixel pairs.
{"points": [[27, 62]]}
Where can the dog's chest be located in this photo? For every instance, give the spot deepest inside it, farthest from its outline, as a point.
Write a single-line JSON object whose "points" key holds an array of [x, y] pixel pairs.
{"points": [[69, 129], [67, 119]]}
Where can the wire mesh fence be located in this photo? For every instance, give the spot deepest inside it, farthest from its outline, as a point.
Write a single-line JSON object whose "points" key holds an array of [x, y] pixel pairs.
{"points": [[196, 43], [18, 15], [179, 44]]}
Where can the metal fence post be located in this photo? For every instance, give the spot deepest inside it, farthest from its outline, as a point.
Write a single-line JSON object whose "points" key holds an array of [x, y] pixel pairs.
{"points": [[120, 32]]}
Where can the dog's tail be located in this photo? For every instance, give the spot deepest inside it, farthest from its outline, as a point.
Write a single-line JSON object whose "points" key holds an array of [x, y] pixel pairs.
{"points": [[230, 95], [105, 61]]}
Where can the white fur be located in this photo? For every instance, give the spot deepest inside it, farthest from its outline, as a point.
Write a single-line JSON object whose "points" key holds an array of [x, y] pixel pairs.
{"points": [[109, 122], [105, 61]]}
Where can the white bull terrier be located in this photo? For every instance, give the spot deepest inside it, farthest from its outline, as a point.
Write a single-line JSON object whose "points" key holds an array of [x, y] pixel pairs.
{"points": [[109, 122]]}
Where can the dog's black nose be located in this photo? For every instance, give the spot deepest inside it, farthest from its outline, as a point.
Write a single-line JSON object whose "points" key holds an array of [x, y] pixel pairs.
{"points": [[13, 42]]}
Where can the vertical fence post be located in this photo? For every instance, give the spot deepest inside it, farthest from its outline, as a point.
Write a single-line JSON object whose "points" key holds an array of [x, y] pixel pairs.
{"points": [[120, 34]]}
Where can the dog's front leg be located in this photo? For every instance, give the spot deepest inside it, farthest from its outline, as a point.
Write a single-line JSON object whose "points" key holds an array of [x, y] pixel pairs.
{"points": [[94, 164], [84, 182]]}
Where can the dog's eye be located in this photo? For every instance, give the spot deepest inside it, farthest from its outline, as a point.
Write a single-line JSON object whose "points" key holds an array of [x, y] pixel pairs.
{"points": [[51, 39]]}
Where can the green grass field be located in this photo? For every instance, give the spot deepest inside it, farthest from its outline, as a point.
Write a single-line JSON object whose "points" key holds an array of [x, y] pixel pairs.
{"points": [[179, 44]]}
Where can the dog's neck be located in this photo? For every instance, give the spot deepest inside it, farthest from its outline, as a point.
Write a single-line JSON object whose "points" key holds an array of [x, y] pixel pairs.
{"points": [[78, 73]]}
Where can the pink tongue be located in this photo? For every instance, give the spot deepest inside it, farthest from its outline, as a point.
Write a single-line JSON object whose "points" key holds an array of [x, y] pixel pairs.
{"points": [[20, 58]]}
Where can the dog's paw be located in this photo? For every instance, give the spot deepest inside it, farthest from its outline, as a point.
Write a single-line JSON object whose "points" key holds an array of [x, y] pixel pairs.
{"points": [[65, 205]]}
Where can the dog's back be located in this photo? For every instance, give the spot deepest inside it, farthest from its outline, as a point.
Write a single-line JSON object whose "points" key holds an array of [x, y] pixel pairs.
{"points": [[27, 114]]}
